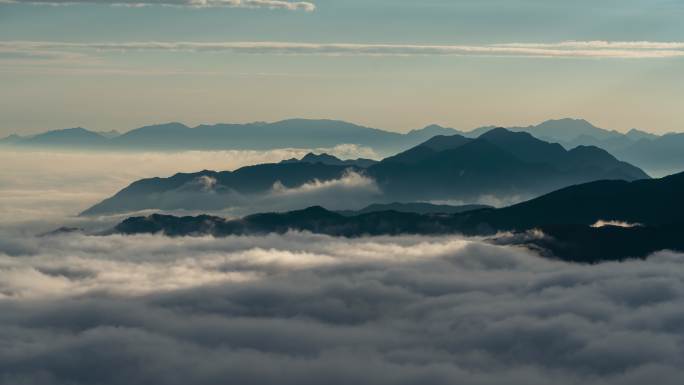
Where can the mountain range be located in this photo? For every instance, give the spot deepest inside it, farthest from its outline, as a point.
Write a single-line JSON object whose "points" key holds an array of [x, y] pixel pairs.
{"points": [[292, 133], [499, 163], [592, 222], [658, 154]]}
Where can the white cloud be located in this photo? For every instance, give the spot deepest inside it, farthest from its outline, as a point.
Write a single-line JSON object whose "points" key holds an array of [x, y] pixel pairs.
{"points": [[351, 191], [271, 4], [308, 309], [602, 44], [616, 50], [604, 223]]}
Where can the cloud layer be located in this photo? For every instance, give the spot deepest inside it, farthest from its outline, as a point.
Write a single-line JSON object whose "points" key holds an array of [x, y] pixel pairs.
{"points": [[271, 4], [62, 184], [571, 49], [305, 309]]}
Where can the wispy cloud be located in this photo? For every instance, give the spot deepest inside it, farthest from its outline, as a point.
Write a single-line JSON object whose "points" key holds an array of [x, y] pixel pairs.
{"points": [[602, 44], [572, 49], [271, 4]]}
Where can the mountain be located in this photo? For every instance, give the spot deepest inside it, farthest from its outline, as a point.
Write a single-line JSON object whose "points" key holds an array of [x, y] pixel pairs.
{"points": [[211, 190], [11, 140], [417, 207], [571, 133], [500, 164], [641, 217], [294, 133], [664, 154], [332, 160], [69, 137], [657, 154], [660, 155], [637, 135], [560, 131]]}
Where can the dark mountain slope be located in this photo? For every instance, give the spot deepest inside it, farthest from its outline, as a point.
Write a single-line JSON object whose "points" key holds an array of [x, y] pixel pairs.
{"points": [[654, 207], [417, 207], [185, 191], [648, 202], [524, 146]]}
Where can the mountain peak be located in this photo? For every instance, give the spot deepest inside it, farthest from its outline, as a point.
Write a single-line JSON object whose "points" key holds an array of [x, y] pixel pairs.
{"points": [[322, 158], [501, 131], [444, 142]]}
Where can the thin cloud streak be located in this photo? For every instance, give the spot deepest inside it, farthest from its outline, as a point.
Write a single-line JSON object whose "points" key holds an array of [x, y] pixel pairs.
{"points": [[270, 4], [614, 50], [602, 44]]}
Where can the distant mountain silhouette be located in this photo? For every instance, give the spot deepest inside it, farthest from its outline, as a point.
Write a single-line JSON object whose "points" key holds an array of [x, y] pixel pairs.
{"points": [[332, 160], [499, 163], [69, 137], [662, 154], [291, 133], [659, 154], [651, 209], [562, 131]]}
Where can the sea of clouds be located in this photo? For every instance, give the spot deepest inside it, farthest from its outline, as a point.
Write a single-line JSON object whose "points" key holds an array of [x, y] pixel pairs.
{"points": [[44, 189], [309, 309], [299, 308]]}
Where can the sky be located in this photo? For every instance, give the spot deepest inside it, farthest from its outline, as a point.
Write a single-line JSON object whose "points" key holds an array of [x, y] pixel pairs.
{"points": [[396, 65]]}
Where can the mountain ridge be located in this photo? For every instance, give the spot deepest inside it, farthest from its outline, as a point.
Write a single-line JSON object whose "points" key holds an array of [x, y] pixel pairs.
{"points": [[567, 218], [473, 168]]}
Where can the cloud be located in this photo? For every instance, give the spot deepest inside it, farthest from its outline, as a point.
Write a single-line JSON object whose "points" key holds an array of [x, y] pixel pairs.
{"points": [[271, 4], [601, 44], [308, 309], [615, 50], [604, 223], [352, 190]]}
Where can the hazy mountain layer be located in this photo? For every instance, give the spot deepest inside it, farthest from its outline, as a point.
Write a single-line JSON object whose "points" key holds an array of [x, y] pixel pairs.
{"points": [[659, 154], [655, 153], [293, 133], [500, 163], [605, 220]]}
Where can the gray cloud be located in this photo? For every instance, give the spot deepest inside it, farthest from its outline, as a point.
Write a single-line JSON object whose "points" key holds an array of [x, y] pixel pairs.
{"points": [[271, 4], [307, 309]]}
